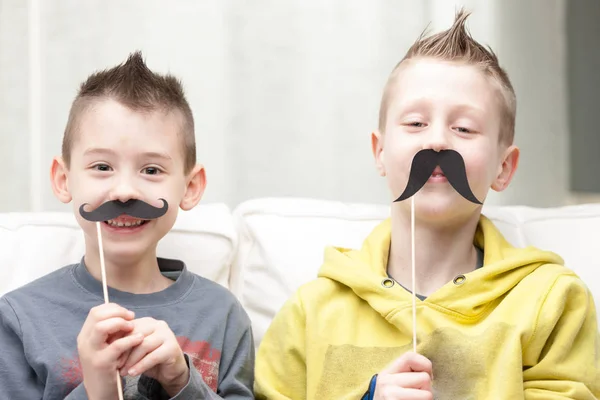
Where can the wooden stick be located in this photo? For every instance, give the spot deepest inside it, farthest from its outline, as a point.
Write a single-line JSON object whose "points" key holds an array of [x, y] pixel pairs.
{"points": [[105, 290], [102, 265], [414, 283]]}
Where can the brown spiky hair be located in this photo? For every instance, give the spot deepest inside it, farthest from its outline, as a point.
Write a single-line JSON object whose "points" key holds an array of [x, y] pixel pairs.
{"points": [[138, 88], [457, 45]]}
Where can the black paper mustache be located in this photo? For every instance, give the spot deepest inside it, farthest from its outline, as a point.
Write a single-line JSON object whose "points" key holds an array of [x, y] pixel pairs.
{"points": [[133, 208], [452, 165]]}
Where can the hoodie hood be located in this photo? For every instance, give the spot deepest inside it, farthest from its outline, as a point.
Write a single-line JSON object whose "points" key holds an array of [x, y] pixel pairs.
{"points": [[504, 266]]}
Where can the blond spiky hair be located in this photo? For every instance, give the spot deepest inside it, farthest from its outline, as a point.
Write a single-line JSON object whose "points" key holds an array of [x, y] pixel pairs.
{"points": [[457, 45]]}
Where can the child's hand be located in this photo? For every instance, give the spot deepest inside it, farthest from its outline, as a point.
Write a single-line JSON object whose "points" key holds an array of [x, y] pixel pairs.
{"points": [[103, 344], [159, 356], [408, 377]]}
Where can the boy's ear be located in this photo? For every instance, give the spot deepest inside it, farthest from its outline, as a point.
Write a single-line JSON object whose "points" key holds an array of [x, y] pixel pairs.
{"points": [[507, 169], [196, 183], [59, 180], [377, 147]]}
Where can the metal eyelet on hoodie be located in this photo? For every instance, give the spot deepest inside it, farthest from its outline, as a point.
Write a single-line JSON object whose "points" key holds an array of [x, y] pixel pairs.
{"points": [[459, 280], [387, 283]]}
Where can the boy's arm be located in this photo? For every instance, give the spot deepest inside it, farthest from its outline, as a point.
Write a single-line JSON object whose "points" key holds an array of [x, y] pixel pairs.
{"points": [[281, 362], [562, 358], [236, 370], [17, 379]]}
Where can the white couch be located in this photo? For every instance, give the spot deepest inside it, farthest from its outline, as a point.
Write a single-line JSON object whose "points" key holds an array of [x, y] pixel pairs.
{"points": [[265, 248]]}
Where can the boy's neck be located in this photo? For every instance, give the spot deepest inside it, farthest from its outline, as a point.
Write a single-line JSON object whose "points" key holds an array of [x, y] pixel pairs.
{"points": [[139, 275], [441, 253]]}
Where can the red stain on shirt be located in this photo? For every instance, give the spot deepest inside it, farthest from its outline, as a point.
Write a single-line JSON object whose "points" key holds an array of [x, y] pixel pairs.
{"points": [[71, 372], [205, 359]]}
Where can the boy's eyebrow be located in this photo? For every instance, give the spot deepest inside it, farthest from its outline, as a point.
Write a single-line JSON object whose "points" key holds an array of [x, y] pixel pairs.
{"points": [[154, 154], [148, 154], [470, 108], [412, 104], [98, 150]]}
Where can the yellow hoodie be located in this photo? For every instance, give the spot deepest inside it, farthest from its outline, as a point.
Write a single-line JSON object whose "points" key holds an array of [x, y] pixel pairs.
{"points": [[521, 327]]}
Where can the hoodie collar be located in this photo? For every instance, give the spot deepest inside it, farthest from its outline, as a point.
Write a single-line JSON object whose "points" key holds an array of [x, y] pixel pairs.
{"points": [[364, 272]]}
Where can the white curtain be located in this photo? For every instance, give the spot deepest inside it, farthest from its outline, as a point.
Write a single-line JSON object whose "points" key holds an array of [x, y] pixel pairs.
{"points": [[285, 93]]}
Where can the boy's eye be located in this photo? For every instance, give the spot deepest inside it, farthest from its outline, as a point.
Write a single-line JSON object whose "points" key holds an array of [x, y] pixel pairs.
{"points": [[101, 167], [151, 171], [463, 130], [414, 125]]}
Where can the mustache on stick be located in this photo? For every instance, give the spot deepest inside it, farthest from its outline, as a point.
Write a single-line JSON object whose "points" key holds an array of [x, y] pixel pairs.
{"points": [[452, 165], [115, 208]]}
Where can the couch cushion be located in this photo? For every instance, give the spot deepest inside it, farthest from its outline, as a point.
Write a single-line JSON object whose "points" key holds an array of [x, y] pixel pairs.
{"points": [[573, 232], [282, 240], [34, 244], [281, 245]]}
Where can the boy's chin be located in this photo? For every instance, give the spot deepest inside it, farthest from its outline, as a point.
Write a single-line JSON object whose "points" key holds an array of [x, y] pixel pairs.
{"points": [[439, 209], [128, 249], [127, 253]]}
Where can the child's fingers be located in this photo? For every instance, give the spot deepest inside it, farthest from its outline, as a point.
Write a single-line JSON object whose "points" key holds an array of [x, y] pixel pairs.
{"points": [[145, 325], [103, 329], [410, 380], [123, 358], [110, 310], [148, 345], [118, 335], [415, 394], [399, 393], [409, 362], [120, 346], [160, 355]]}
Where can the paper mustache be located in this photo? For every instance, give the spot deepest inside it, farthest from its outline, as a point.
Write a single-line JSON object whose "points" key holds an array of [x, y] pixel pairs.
{"points": [[115, 208], [452, 165]]}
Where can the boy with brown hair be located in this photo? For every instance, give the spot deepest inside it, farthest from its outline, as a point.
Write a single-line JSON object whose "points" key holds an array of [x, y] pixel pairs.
{"points": [[166, 333], [493, 321]]}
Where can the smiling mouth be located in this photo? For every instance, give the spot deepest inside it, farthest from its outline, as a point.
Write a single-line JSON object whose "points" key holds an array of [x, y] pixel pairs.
{"points": [[122, 222]]}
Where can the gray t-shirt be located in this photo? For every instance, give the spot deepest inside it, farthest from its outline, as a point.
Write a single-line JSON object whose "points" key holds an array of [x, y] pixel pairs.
{"points": [[40, 322]]}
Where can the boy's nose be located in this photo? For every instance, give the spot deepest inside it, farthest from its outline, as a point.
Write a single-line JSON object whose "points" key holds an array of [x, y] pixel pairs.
{"points": [[437, 146], [437, 140], [123, 192]]}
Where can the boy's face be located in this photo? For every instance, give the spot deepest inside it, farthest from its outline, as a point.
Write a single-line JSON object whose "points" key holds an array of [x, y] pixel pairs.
{"points": [[120, 154], [440, 105]]}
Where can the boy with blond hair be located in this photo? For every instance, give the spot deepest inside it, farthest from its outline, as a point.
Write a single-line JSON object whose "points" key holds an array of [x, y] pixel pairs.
{"points": [[129, 162], [493, 321]]}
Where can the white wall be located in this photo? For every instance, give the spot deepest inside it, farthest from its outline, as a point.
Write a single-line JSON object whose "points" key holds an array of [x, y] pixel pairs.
{"points": [[285, 94], [14, 99]]}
